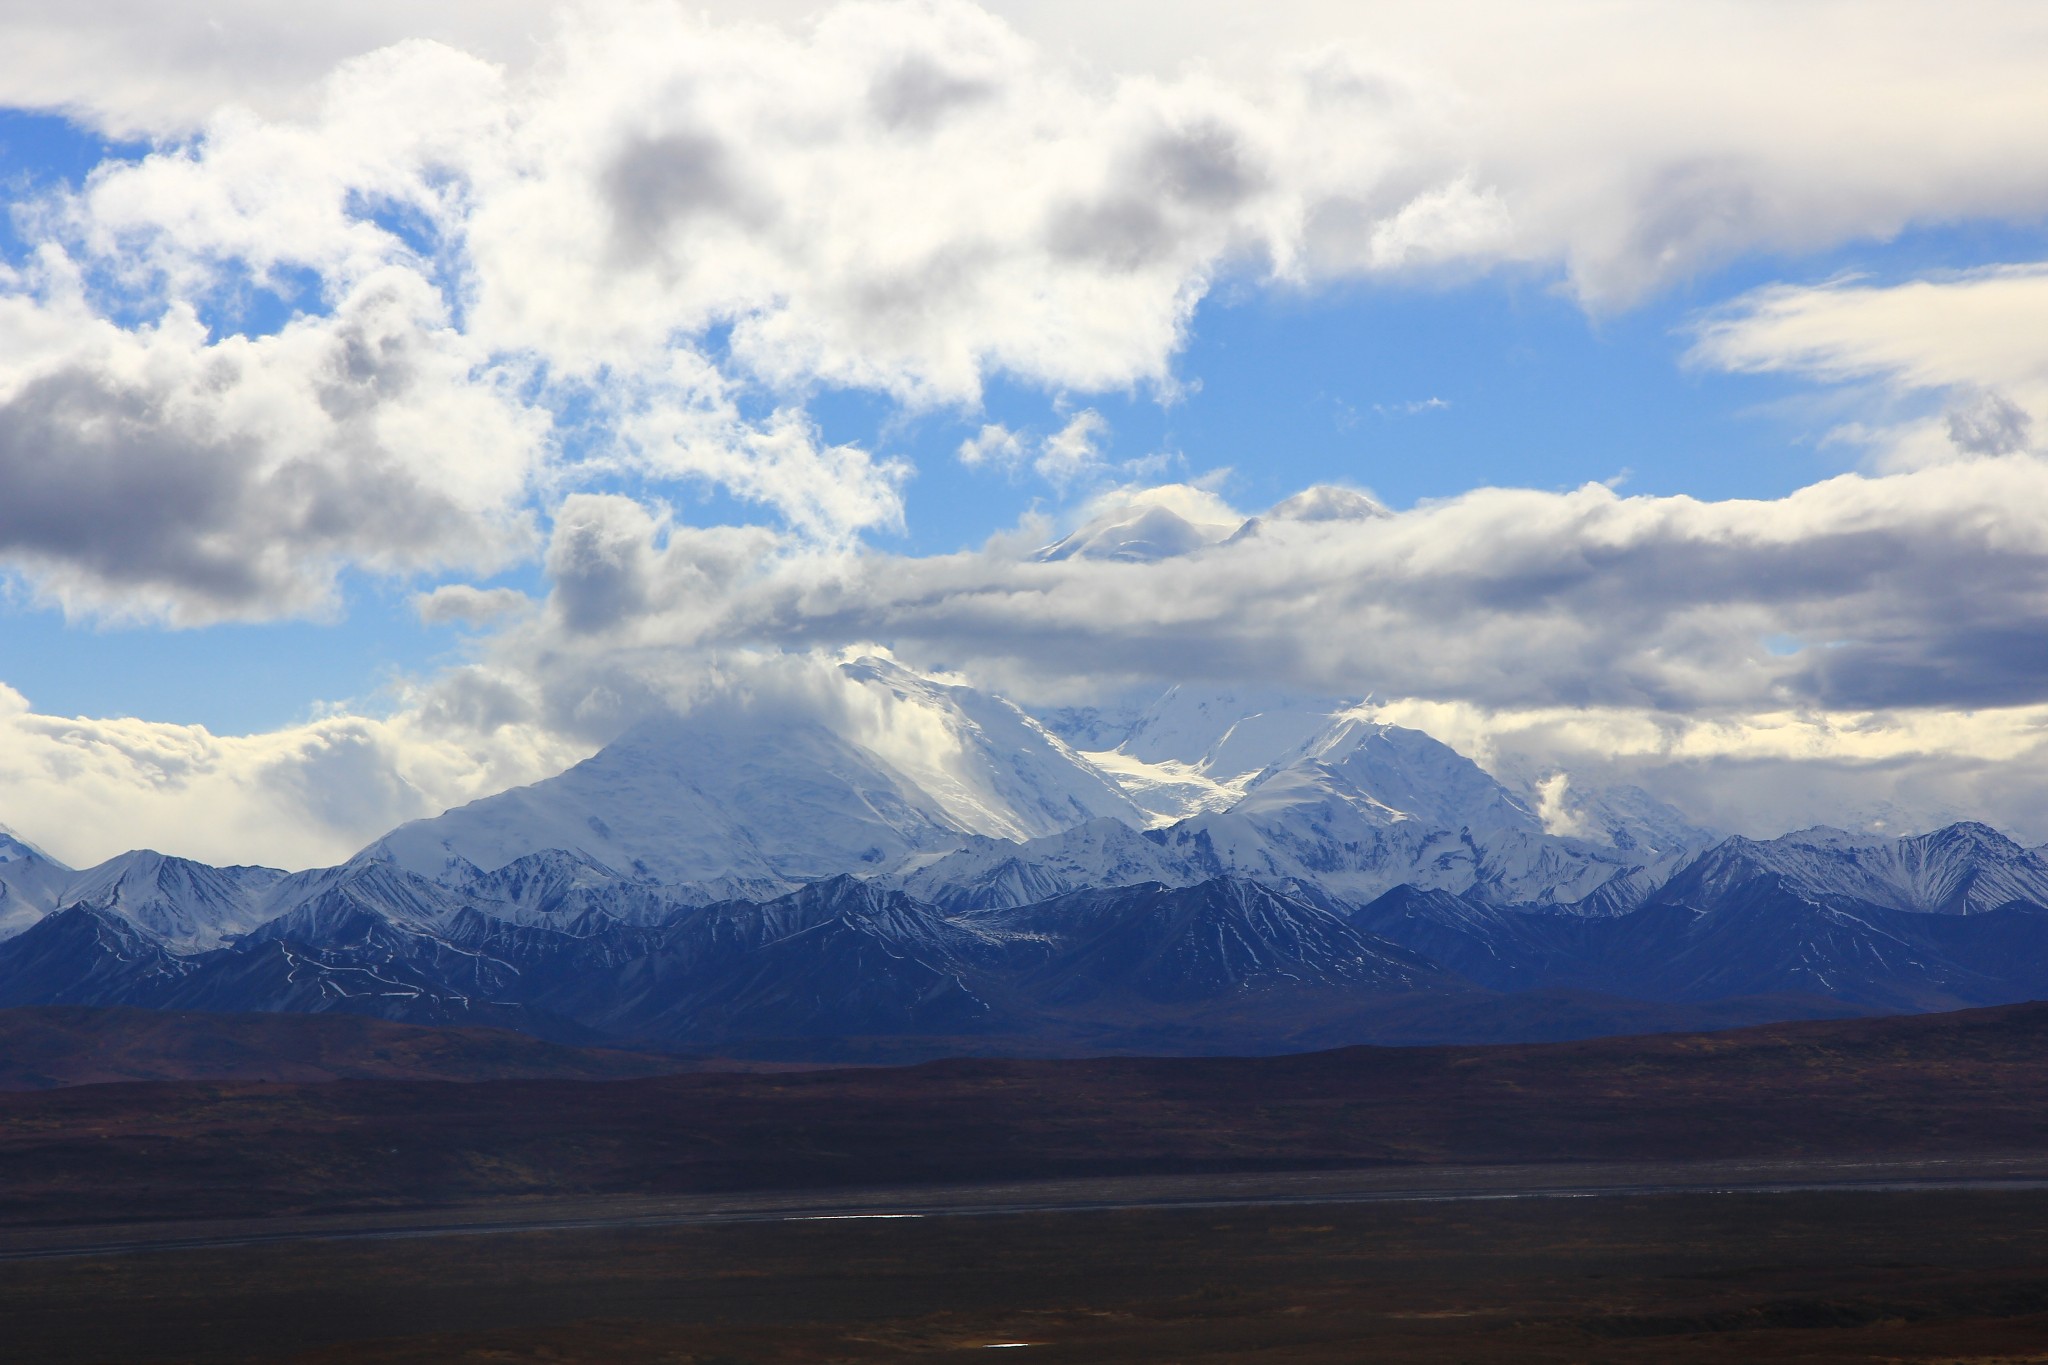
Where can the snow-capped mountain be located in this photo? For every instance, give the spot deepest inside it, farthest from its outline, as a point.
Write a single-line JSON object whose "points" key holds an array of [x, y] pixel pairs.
{"points": [[991, 769], [1162, 523], [961, 798], [1759, 940], [1364, 807], [689, 799], [1321, 502], [80, 956], [1964, 869], [185, 905], [1175, 519], [1192, 750], [767, 796], [1357, 809], [1196, 752], [992, 873], [31, 883], [1399, 773], [1227, 733], [846, 965], [1173, 945]]}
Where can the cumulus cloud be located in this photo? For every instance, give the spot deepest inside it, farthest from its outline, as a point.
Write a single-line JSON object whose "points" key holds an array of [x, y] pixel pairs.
{"points": [[1074, 452], [1073, 456], [138, 68], [1637, 143], [640, 256], [156, 471], [994, 445], [632, 239]]}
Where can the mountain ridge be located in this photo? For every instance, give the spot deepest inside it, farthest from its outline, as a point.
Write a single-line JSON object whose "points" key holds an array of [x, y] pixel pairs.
{"points": [[943, 871]]}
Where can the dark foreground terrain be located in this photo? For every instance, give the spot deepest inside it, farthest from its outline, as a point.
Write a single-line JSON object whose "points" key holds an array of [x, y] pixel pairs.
{"points": [[47, 1046], [1932, 1276], [1871, 1189], [1973, 1083]]}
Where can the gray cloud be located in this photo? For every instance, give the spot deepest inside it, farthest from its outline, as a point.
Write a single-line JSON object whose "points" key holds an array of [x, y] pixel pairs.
{"points": [[1122, 232], [90, 477], [105, 493], [1989, 424], [1162, 197], [1204, 166], [919, 93], [1926, 589], [600, 559], [461, 604], [656, 186], [158, 474]]}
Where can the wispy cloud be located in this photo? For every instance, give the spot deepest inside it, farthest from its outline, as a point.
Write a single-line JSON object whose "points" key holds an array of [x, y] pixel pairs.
{"points": [[1947, 366], [1414, 408]]}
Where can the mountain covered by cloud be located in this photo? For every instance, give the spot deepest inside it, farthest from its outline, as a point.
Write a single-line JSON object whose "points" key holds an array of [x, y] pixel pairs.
{"points": [[928, 783]]}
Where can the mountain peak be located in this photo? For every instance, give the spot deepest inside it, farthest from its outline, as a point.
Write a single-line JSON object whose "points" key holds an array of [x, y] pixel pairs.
{"points": [[188, 905], [1961, 869], [688, 798], [1149, 525], [1404, 772]]}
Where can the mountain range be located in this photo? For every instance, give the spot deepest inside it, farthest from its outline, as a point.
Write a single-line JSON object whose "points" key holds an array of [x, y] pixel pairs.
{"points": [[930, 869]]}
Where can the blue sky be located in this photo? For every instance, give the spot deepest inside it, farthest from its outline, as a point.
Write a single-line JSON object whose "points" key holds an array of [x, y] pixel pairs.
{"points": [[424, 394]]}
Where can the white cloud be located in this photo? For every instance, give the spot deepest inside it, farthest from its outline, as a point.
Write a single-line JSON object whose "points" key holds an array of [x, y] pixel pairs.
{"points": [[154, 471], [1962, 356], [1916, 590], [658, 230], [307, 795], [1069, 457], [668, 231], [995, 444], [1978, 327], [1763, 773], [1413, 408], [1638, 142], [825, 492], [461, 604], [1074, 452], [137, 67]]}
